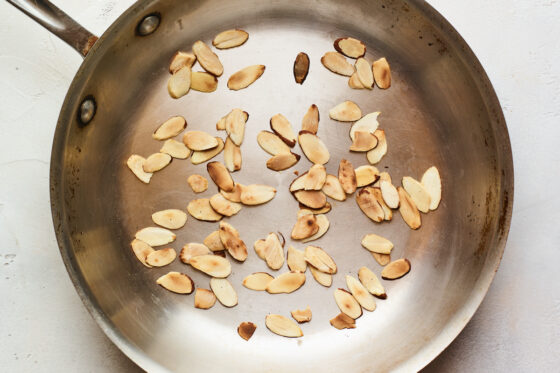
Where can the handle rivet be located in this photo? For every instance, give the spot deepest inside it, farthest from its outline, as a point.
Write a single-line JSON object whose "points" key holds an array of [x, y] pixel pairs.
{"points": [[87, 110], [148, 25]]}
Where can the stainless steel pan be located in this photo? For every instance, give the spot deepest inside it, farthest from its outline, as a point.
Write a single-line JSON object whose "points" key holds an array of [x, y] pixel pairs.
{"points": [[441, 110]]}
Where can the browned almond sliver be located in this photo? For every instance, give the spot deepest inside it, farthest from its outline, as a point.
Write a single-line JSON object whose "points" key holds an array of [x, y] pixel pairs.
{"points": [[220, 175], [204, 298], [347, 303], [319, 259], [245, 77], [203, 82], [246, 330], [342, 321], [371, 282], [282, 161], [201, 209], [296, 260], [170, 128], [181, 59], [156, 162], [301, 67], [213, 242], [142, 250], [347, 176], [199, 140], [350, 47], [383, 176], [286, 283], [224, 291], [314, 199], [396, 269], [280, 125], [155, 236], [382, 73], [322, 278], [207, 59], [212, 265], [257, 194], [230, 38], [261, 248], [232, 156], [333, 188], [175, 149], [235, 125], [310, 122], [369, 205], [176, 282], [388, 213], [324, 224], [306, 226], [432, 183], [360, 293], [313, 148], [298, 183], [363, 141], [382, 259], [232, 242], [179, 83], [197, 183], [257, 281], [235, 194], [315, 177], [136, 164], [346, 111], [302, 316], [408, 210], [221, 124], [364, 72], [418, 193], [366, 175], [368, 123], [224, 207], [336, 63], [191, 250], [283, 326], [274, 251], [354, 82], [323, 210], [389, 193], [199, 157], [170, 219], [271, 143]]}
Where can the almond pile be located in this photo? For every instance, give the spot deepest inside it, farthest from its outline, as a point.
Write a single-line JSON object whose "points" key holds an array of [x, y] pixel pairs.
{"points": [[316, 191]]}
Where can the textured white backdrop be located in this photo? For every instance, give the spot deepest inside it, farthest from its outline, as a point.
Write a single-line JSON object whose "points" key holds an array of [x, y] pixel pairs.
{"points": [[44, 326]]}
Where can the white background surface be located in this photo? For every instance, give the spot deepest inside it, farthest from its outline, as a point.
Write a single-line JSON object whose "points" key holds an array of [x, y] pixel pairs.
{"points": [[44, 326]]}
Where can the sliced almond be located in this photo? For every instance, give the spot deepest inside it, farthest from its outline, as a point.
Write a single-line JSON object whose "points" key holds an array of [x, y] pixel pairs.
{"points": [[315, 177], [350, 47], [333, 188], [283, 326], [417, 193], [170, 219], [408, 210], [313, 148], [199, 157], [389, 193], [257, 194], [272, 143], [257, 281], [363, 141], [347, 303], [191, 250], [366, 175], [354, 82], [280, 125], [387, 212], [365, 72], [306, 226], [224, 207], [371, 282], [296, 260], [156, 162], [213, 242], [203, 82], [322, 278], [319, 259], [375, 154], [155, 236], [310, 122], [221, 124], [286, 283], [346, 111], [235, 125], [199, 140], [142, 250], [368, 123], [224, 291], [180, 60], [201, 209], [232, 242], [324, 224], [360, 293], [175, 149], [382, 73], [432, 183], [298, 183], [347, 176], [342, 321], [396, 269], [314, 199], [170, 128], [207, 59], [383, 176], [230, 39], [261, 247], [232, 156], [274, 254], [136, 165], [301, 67], [336, 63], [323, 210], [246, 330], [282, 161], [179, 83], [235, 194], [382, 259], [245, 77], [204, 298], [176, 282], [220, 175], [197, 183], [369, 205], [302, 316], [212, 265]]}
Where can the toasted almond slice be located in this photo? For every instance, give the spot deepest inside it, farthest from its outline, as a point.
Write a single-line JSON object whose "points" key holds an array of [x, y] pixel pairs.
{"points": [[323, 210], [432, 183], [322, 278], [136, 165], [221, 124], [286, 283], [342, 321], [360, 293], [204, 298], [170, 219], [212, 265], [363, 141], [346, 111], [382, 259], [274, 252], [387, 212], [306, 226], [371, 282], [197, 183], [260, 248], [201, 209], [298, 183], [199, 140], [235, 125], [232, 156], [199, 157], [175, 149], [224, 291], [366, 175], [347, 303], [272, 143], [369, 205], [347, 176], [181, 59], [283, 326], [230, 39], [191, 250], [302, 316], [301, 67], [232, 242], [418, 193], [155, 236], [310, 122], [368, 123], [350, 47], [314, 199], [235, 194], [213, 242], [280, 125], [383, 176], [365, 72], [220, 175], [257, 194], [245, 77], [179, 83], [224, 207], [354, 82], [313, 148], [382, 73], [389, 193], [408, 210], [333, 188], [207, 59], [176, 282], [336, 63], [319, 259], [142, 250], [324, 224], [257, 281], [246, 330], [156, 162], [375, 154], [203, 82], [282, 161], [315, 177], [396, 269], [170, 128], [296, 260]]}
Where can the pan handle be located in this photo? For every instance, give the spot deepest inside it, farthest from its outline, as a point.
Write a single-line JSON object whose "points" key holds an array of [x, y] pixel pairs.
{"points": [[59, 23]]}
